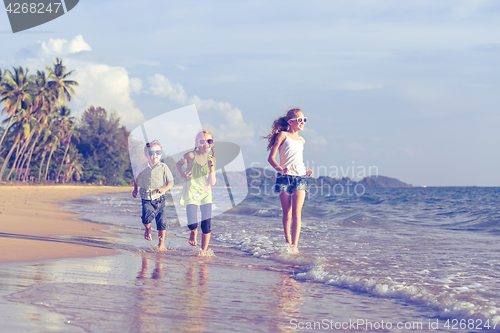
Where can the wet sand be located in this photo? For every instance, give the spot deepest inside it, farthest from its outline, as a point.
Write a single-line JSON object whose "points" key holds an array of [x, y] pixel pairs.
{"points": [[30, 218], [177, 291], [140, 289]]}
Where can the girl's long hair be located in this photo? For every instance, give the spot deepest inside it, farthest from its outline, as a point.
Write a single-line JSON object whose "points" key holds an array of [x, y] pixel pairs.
{"points": [[280, 125], [204, 132]]}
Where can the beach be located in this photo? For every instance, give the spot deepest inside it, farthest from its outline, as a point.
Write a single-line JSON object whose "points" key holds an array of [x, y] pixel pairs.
{"points": [[49, 283], [30, 217], [98, 274]]}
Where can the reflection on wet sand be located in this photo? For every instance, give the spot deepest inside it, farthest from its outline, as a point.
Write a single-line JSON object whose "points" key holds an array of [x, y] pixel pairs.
{"points": [[157, 272], [148, 313], [187, 296], [288, 293], [172, 292], [193, 300]]}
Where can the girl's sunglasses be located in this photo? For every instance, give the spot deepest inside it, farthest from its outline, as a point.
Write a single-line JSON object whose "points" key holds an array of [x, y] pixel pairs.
{"points": [[300, 119], [202, 142], [152, 152]]}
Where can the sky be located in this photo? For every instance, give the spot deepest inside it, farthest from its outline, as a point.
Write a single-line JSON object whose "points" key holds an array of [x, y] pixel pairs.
{"points": [[405, 89]]}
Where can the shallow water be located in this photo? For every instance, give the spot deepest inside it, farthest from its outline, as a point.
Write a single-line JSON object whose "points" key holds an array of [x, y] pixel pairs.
{"points": [[434, 246], [412, 256], [176, 291]]}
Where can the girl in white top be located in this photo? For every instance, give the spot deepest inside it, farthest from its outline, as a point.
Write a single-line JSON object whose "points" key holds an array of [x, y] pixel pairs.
{"points": [[291, 181]]}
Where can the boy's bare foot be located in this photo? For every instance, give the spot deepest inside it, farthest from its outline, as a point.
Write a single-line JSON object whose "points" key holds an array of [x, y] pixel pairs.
{"points": [[161, 239], [161, 245], [294, 249], [147, 233], [192, 237]]}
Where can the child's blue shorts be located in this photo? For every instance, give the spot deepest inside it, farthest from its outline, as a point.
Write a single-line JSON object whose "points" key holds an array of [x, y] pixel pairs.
{"points": [[153, 210], [289, 183]]}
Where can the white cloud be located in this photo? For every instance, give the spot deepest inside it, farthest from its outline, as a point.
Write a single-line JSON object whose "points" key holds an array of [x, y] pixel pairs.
{"points": [[161, 86], [59, 46], [108, 87], [99, 84], [53, 47], [135, 85], [234, 129], [313, 137]]}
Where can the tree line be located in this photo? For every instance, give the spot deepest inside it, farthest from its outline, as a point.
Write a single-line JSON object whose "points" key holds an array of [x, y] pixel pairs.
{"points": [[40, 141]]}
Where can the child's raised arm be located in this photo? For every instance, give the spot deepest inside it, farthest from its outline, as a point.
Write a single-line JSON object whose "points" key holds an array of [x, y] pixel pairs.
{"points": [[165, 188], [185, 159], [211, 177]]}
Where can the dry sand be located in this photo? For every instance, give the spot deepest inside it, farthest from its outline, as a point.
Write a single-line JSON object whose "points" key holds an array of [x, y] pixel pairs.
{"points": [[30, 216]]}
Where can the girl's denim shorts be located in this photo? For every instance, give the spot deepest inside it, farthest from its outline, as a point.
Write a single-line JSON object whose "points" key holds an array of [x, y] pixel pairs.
{"points": [[289, 183]]}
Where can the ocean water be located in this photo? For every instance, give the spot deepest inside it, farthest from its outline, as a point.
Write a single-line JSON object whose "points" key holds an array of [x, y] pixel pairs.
{"points": [[426, 255], [437, 247]]}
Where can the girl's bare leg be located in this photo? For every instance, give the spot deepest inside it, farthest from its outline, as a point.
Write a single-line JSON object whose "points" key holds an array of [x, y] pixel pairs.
{"points": [[298, 198], [205, 239], [286, 206]]}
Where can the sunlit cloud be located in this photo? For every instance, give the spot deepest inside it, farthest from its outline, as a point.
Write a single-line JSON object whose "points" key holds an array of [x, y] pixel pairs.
{"points": [[99, 84], [234, 127]]}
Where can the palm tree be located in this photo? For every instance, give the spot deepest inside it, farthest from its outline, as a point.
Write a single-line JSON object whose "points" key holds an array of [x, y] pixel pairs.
{"points": [[2, 130], [7, 158], [44, 100], [53, 145], [17, 90], [67, 124], [47, 133], [58, 80], [74, 165], [53, 141], [15, 95], [18, 130], [45, 93], [29, 124]]}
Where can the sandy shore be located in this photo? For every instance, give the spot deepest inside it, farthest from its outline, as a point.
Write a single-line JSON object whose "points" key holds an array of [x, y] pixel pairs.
{"points": [[30, 216], [140, 289]]}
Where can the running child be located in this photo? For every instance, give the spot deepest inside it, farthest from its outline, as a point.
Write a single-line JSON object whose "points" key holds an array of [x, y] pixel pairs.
{"points": [[197, 191], [154, 179], [291, 180]]}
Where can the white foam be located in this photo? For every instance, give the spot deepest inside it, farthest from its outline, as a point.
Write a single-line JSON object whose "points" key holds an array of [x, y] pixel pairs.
{"points": [[448, 305]]}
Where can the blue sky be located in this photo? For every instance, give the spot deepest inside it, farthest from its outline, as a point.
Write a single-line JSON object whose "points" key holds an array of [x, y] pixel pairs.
{"points": [[410, 88]]}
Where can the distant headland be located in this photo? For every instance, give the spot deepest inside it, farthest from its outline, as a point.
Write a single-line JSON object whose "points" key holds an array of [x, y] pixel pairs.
{"points": [[259, 177]]}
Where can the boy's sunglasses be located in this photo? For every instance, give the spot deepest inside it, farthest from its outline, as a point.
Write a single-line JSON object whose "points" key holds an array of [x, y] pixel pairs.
{"points": [[300, 119], [210, 141], [152, 152]]}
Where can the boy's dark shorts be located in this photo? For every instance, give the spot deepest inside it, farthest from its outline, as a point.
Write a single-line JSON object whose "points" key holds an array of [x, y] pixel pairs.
{"points": [[153, 210], [289, 183]]}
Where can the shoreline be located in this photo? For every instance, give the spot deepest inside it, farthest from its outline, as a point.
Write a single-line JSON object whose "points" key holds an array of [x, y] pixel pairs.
{"points": [[31, 219]]}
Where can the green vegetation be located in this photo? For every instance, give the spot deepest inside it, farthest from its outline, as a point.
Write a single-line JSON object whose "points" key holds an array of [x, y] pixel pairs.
{"points": [[41, 142]]}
